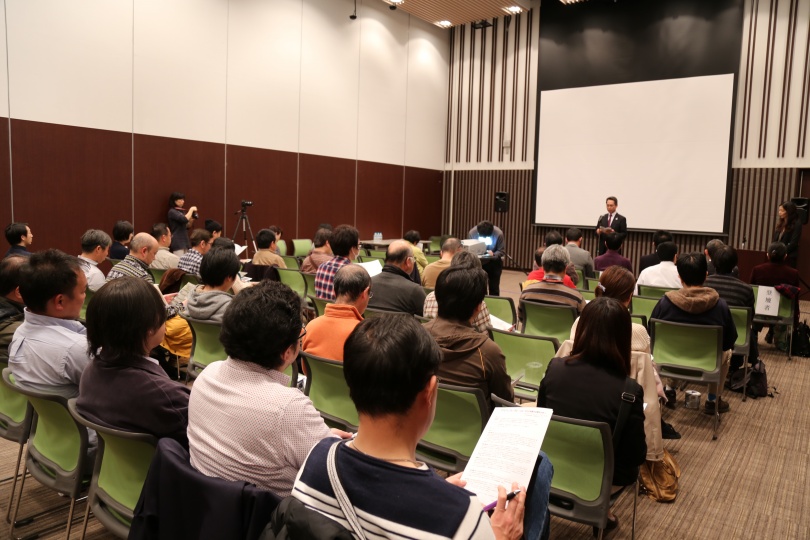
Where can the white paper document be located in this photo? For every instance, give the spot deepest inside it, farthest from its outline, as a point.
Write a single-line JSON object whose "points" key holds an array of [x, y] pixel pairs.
{"points": [[372, 267], [239, 249], [499, 324], [767, 301], [507, 450]]}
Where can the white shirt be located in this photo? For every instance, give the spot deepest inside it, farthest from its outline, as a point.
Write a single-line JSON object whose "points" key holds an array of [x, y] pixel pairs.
{"points": [[95, 277], [663, 274]]}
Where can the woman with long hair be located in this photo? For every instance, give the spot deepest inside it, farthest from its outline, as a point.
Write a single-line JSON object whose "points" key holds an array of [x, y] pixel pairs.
{"points": [[788, 231], [122, 387]]}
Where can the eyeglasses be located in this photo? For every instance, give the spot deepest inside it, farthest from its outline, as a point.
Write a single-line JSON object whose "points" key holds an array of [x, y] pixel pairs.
{"points": [[370, 295], [303, 332], [412, 258]]}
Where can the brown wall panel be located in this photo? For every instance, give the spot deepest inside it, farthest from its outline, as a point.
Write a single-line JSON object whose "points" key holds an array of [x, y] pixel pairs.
{"points": [[69, 179], [164, 165], [423, 201], [326, 192], [379, 199], [268, 178], [5, 176]]}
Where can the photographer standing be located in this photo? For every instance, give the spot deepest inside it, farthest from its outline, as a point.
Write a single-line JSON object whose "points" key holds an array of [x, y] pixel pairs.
{"points": [[179, 222]]}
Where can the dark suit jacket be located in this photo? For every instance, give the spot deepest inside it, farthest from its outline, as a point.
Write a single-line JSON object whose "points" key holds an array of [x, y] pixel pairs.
{"points": [[619, 225], [647, 261]]}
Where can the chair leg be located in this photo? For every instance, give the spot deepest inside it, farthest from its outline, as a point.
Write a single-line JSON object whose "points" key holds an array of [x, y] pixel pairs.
{"points": [[635, 505], [86, 519], [70, 517], [14, 484], [716, 418], [790, 342], [17, 505], [745, 376]]}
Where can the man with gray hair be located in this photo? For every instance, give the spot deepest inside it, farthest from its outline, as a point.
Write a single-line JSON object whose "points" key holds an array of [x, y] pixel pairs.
{"points": [[552, 290], [327, 334], [431, 272], [393, 288], [712, 248], [95, 248]]}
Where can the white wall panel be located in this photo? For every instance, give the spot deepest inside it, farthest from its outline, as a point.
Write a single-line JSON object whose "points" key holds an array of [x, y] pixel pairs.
{"points": [[383, 83], [71, 62], [329, 79], [264, 72], [180, 65], [428, 75], [3, 64]]}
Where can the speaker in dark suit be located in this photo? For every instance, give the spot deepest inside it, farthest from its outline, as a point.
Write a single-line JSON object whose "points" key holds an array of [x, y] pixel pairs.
{"points": [[610, 223]]}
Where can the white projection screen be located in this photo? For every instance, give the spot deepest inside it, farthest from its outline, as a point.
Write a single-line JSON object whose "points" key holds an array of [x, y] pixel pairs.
{"points": [[661, 147]]}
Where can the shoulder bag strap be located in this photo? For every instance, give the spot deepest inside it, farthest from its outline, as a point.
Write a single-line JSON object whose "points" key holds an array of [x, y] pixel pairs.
{"points": [[342, 499], [628, 398]]}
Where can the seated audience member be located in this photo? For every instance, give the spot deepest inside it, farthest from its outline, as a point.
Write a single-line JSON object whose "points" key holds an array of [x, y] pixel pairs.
{"points": [[95, 248], [589, 384], [200, 244], [321, 251], [663, 274], [611, 257], [223, 243], [278, 232], [19, 236], [710, 252], [552, 238], [469, 358], [11, 302], [125, 320], [735, 292], [164, 258], [462, 259], [772, 273], [245, 422], [327, 334], [696, 304], [213, 227], [219, 271], [393, 288], [49, 349], [552, 290], [122, 235], [450, 247], [391, 369], [267, 255], [536, 276], [659, 237], [413, 238], [345, 246], [580, 258]]}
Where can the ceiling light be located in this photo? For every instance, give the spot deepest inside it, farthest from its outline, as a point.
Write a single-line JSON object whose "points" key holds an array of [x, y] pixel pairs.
{"points": [[444, 24], [397, 2], [514, 9]]}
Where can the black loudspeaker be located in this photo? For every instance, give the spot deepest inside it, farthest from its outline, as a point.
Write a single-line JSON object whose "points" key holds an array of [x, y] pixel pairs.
{"points": [[501, 201], [802, 205]]}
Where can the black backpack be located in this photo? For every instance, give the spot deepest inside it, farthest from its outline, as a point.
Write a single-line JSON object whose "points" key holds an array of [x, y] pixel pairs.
{"points": [[757, 386], [801, 340]]}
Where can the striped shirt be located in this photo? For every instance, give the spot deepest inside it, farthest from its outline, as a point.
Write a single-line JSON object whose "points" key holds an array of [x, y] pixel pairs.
{"points": [[552, 291], [325, 277], [732, 290], [132, 267]]}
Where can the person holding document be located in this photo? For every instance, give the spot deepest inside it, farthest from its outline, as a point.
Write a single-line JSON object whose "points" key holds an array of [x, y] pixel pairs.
{"points": [[611, 222], [390, 366]]}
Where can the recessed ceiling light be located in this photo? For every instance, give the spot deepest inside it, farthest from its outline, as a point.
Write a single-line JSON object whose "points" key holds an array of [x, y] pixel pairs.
{"points": [[514, 9], [444, 24], [397, 2]]}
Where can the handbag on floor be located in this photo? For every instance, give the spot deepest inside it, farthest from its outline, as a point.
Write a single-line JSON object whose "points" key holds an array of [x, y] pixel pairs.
{"points": [[659, 479]]}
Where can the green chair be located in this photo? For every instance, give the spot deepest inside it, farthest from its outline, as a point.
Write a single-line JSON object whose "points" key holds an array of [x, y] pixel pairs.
{"points": [[428, 290], [378, 253], [301, 247], [689, 352], [310, 279], [422, 320], [435, 244], [587, 295], [122, 461], [189, 278], [291, 262], [582, 454], [157, 274], [502, 307], [432, 258], [548, 320], [370, 313], [368, 258], [205, 347], [591, 283], [319, 304], [294, 280], [528, 354], [282, 247], [743, 319], [328, 391], [643, 305], [580, 278], [88, 296], [653, 292], [56, 450], [461, 415], [639, 319], [785, 316], [15, 426]]}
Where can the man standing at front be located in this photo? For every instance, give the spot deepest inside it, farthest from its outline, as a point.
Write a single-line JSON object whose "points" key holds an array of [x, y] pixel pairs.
{"points": [[496, 249], [612, 222]]}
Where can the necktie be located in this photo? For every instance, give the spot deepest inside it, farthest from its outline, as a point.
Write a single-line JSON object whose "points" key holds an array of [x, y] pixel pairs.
{"points": [[610, 220]]}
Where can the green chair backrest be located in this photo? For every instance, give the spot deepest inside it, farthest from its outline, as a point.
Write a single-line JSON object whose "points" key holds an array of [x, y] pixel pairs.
{"points": [[157, 274], [370, 313], [502, 307], [205, 344], [368, 258], [435, 244], [785, 306], [548, 320], [580, 278], [189, 278], [432, 258], [13, 406], [643, 305], [742, 321], [686, 345], [88, 296], [282, 247], [319, 304], [639, 319], [291, 262], [378, 253], [301, 247], [591, 283], [653, 292], [310, 279], [328, 391], [521, 350], [587, 295], [294, 280]]}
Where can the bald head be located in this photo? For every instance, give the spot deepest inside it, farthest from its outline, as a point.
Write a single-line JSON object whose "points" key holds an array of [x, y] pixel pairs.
{"points": [[143, 247], [10, 277], [450, 247]]}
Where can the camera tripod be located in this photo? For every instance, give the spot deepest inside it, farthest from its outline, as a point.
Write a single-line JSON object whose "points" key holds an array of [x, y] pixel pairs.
{"points": [[244, 221]]}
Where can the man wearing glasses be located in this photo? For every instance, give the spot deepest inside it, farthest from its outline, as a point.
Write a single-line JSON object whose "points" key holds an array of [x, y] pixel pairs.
{"points": [[393, 288]]}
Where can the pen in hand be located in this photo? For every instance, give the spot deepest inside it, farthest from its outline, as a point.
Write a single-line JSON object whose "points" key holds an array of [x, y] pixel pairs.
{"points": [[509, 496]]}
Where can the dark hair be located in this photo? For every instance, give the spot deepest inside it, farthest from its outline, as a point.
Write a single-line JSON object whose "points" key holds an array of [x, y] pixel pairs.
{"points": [[121, 231], [485, 228], [218, 265], [725, 259], [322, 236], [790, 220], [553, 238], [616, 282], [213, 226], [278, 231], [11, 273], [614, 199], [397, 256], [265, 238], [613, 241], [538, 255], [159, 230], [777, 252], [412, 237], [573, 234], [174, 197], [604, 335], [692, 268], [47, 274], [198, 236], [667, 251], [351, 280], [713, 245], [223, 243], [388, 360], [15, 231], [327, 226], [344, 238], [262, 322], [661, 236], [94, 237], [120, 316], [459, 291]]}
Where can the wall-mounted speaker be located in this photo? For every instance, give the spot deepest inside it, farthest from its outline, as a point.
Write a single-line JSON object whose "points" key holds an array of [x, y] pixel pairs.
{"points": [[501, 201], [803, 206]]}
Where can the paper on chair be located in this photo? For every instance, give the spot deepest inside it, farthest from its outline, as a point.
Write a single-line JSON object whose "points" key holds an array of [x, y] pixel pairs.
{"points": [[507, 451], [499, 324]]}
